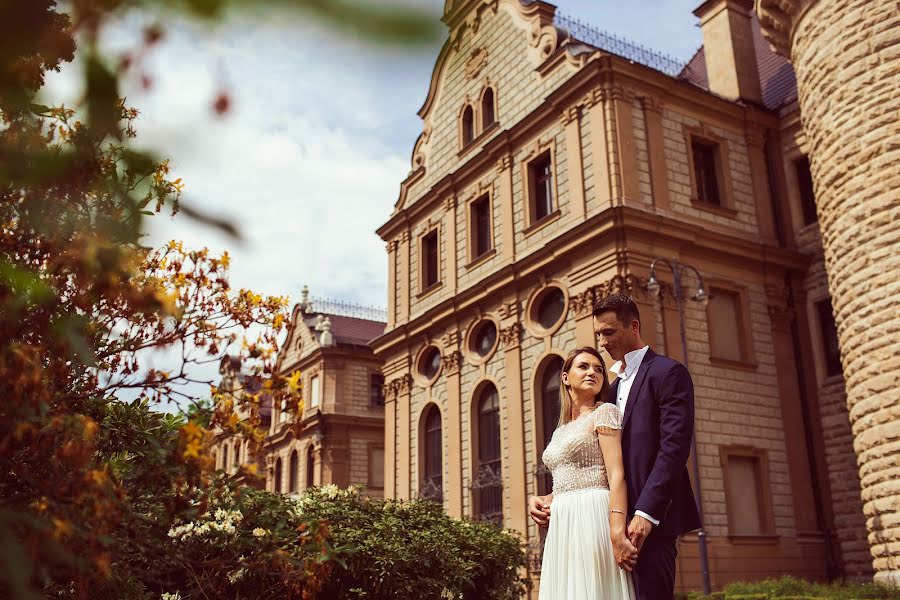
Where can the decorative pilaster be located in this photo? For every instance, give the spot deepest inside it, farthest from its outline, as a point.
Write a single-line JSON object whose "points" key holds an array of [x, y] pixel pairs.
{"points": [[507, 210], [653, 119], [511, 411], [571, 120], [598, 138]]}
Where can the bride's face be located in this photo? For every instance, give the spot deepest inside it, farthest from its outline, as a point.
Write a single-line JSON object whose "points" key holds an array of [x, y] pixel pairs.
{"points": [[586, 375]]}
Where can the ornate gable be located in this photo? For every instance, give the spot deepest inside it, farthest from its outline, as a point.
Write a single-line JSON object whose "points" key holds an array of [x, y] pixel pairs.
{"points": [[504, 45], [300, 340]]}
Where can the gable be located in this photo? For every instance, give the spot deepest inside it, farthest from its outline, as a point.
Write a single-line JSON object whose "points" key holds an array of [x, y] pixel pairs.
{"points": [[300, 341], [496, 44]]}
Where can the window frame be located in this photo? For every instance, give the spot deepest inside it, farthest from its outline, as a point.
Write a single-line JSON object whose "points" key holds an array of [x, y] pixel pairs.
{"points": [[477, 461], [466, 140], [542, 476], [705, 135], [474, 256], [424, 454], [483, 124], [376, 399], [764, 492], [424, 290], [821, 349], [747, 360], [802, 200], [371, 450]]}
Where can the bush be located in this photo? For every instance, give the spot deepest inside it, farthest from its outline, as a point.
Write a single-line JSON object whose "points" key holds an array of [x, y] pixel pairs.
{"points": [[791, 588], [412, 549]]}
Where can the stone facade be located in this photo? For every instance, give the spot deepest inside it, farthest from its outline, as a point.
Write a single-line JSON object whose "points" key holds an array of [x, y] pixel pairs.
{"points": [[623, 145], [847, 58], [339, 438]]}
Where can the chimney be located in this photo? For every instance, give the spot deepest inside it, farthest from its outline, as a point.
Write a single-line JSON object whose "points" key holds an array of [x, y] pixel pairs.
{"points": [[728, 49]]}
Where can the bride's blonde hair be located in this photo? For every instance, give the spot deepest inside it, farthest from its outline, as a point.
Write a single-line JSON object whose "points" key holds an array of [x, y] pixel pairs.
{"points": [[565, 395]]}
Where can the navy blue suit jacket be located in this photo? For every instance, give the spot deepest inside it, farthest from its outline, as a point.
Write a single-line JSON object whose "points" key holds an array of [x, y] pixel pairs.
{"points": [[657, 428]]}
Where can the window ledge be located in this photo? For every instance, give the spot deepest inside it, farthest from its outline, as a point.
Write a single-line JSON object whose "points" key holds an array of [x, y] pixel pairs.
{"points": [[714, 208], [429, 290], [541, 223], [758, 539], [487, 131], [742, 365], [482, 258]]}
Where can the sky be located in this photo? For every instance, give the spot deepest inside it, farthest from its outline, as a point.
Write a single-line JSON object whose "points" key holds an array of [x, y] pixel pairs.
{"points": [[308, 160]]}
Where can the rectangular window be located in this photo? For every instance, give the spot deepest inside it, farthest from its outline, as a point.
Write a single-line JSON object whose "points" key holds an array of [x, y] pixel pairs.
{"points": [[376, 468], [805, 187], [376, 389], [540, 183], [705, 158], [481, 226], [828, 329], [725, 322], [314, 391], [430, 271], [746, 491]]}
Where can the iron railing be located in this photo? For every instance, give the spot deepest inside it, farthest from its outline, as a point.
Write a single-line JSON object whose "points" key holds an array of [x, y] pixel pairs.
{"points": [[343, 308], [586, 33]]}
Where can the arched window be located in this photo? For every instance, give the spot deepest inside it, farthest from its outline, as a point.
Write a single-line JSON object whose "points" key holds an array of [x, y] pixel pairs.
{"points": [[310, 467], [488, 484], [468, 125], [488, 115], [549, 407], [432, 457], [277, 475], [294, 473]]}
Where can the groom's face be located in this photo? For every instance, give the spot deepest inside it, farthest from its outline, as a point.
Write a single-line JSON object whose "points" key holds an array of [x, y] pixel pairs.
{"points": [[615, 337]]}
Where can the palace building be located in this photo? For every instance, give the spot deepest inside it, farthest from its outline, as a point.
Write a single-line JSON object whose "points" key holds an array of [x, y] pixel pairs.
{"points": [[339, 438], [555, 164]]}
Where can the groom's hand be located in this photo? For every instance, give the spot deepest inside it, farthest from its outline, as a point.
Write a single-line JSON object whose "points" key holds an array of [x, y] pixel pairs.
{"points": [[638, 530], [539, 509], [624, 551]]}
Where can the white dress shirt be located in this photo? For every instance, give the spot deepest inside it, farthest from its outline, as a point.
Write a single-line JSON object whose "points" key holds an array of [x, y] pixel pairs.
{"points": [[626, 375]]}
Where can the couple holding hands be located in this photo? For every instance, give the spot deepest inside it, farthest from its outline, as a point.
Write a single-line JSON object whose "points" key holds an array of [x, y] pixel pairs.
{"points": [[621, 492]]}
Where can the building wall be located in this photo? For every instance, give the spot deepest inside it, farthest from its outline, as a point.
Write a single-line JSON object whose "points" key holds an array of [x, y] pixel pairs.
{"points": [[620, 146]]}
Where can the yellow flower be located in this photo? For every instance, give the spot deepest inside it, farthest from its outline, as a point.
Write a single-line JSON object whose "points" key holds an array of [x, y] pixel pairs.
{"points": [[293, 382]]}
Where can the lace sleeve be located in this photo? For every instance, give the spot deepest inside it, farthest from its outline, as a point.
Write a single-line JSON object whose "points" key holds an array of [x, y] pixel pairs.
{"points": [[608, 417]]}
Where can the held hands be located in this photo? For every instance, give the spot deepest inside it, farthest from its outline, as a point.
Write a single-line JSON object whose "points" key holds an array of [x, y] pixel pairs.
{"points": [[638, 530], [539, 509], [624, 551]]}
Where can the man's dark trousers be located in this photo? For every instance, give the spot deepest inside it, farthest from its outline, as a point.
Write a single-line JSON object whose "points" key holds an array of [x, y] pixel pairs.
{"points": [[654, 574]]}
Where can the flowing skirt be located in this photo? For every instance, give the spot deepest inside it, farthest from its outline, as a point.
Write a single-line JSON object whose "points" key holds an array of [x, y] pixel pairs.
{"points": [[578, 557]]}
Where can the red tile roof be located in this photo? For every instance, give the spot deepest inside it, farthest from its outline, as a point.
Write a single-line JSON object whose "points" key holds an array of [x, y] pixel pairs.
{"points": [[351, 330], [776, 75]]}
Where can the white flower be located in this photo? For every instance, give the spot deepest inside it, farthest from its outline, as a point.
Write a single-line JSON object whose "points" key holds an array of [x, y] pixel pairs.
{"points": [[233, 577], [260, 532], [168, 596], [330, 490]]}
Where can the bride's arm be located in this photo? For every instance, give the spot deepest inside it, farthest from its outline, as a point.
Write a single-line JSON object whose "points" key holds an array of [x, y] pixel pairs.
{"points": [[611, 447]]}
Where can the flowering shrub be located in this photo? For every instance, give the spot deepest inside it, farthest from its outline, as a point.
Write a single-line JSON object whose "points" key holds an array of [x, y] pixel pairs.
{"points": [[412, 549]]}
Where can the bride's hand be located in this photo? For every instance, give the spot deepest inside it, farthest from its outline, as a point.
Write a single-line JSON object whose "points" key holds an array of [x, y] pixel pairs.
{"points": [[623, 550], [539, 509]]}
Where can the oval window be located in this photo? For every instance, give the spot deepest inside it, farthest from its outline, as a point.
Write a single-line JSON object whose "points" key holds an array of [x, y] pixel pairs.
{"points": [[484, 339], [550, 307], [430, 362]]}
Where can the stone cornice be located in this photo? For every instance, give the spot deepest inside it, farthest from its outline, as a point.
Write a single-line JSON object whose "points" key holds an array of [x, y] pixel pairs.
{"points": [[777, 19], [638, 223]]}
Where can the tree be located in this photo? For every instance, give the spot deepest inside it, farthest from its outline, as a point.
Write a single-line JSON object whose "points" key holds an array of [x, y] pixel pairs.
{"points": [[88, 482]]}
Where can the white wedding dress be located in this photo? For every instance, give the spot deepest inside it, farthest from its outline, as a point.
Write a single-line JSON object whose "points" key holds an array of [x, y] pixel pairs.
{"points": [[578, 557]]}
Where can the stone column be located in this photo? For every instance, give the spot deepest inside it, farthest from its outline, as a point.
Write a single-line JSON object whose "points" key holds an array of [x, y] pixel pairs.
{"points": [[511, 400], [846, 54], [453, 488]]}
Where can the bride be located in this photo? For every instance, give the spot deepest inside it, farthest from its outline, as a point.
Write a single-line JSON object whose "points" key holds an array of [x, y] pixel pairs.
{"points": [[587, 540]]}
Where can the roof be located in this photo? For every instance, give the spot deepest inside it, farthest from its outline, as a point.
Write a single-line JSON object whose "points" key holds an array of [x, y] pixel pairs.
{"points": [[776, 75], [352, 330]]}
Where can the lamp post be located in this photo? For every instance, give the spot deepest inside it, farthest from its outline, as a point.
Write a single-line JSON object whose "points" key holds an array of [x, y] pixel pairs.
{"points": [[677, 268]]}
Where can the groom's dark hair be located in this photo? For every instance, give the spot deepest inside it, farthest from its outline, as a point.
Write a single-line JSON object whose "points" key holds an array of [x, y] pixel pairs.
{"points": [[624, 307]]}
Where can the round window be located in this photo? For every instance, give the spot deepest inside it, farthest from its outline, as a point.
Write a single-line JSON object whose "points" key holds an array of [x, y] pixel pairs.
{"points": [[485, 337], [430, 362], [550, 307]]}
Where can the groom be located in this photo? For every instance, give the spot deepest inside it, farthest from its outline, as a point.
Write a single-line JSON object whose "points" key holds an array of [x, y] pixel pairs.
{"points": [[656, 397]]}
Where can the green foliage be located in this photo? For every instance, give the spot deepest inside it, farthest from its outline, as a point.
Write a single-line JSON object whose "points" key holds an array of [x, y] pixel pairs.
{"points": [[412, 549], [791, 588]]}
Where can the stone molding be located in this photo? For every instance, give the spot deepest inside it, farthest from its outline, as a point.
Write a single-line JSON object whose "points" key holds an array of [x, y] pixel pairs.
{"points": [[777, 19], [453, 362]]}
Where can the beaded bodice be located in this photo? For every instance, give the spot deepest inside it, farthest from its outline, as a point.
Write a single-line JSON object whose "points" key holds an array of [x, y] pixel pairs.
{"points": [[573, 454]]}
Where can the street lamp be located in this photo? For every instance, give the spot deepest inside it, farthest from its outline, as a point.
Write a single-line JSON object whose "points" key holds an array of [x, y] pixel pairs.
{"points": [[653, 286]]}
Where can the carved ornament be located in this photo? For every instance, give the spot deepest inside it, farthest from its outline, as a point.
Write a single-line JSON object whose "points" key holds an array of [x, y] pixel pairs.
{"points": [[511, 336], [777, 19], [476, 62], [453, 362]]}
